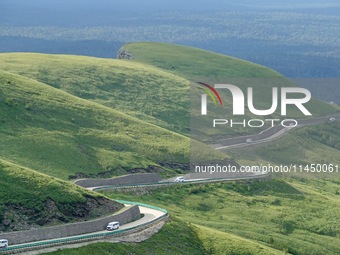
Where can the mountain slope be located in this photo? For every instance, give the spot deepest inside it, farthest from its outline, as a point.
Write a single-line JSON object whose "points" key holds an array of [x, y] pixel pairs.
{"points": [[201, 65], [157, 83], [61, 135], [158, 95], [218, 242], [195, 63], [139, 90], [30, 199]]}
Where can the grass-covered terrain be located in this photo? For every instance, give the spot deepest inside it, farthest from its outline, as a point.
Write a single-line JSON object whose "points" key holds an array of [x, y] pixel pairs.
{"points": [[140, 90], [176, 237], [295, 216], [53, 132], [196, 63], [219, 242], [30, 199], [73, 116], [156, 85], [201, 65]]}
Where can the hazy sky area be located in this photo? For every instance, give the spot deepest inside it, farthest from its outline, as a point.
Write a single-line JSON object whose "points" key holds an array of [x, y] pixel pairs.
{"points": [[101, 12]]}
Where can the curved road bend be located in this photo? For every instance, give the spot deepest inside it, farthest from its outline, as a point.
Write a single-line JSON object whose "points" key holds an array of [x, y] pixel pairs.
{"points": [[264, 136], [149, 215], [270, 133]]}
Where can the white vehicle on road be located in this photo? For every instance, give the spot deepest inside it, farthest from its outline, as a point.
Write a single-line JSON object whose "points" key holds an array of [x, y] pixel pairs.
{"points": [[332, 119], [112, 226], [179, 179], [249, 140], [3, 243]]}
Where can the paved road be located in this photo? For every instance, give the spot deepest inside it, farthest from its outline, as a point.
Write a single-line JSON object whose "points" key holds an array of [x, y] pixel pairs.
{"points": [[264, 136], [150, 215], [269, 134], [216, 177]]}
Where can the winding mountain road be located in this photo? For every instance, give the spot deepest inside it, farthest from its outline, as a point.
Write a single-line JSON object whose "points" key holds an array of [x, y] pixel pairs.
{"points": [[270, 134], [151, 215]]}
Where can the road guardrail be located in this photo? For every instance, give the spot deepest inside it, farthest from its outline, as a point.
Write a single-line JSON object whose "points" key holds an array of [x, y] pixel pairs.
{"points": [[209, 180], [87, 237]]}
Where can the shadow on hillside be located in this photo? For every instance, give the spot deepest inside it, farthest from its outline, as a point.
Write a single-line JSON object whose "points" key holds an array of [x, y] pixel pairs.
{"points": [[273, 187]]}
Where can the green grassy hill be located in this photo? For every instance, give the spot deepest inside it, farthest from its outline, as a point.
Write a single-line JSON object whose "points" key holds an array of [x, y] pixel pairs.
{"points": [[312, 144], [61, 135], [73, 116], [195, 63], [201, 65], [30, 199], [140, 90], [255, 217], [155, 86], [219, 242]]}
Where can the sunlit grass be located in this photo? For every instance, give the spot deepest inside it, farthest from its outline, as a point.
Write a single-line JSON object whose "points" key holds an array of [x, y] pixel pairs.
{"points": [[56, 133], [294, 216]]}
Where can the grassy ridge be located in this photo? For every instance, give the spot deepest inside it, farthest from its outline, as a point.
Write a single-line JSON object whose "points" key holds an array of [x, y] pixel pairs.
{"points": [[140, 90], [317, 145], [195, 63], [295, 216], [200, 65], [58, 134], [30, 199], [156, 85]]}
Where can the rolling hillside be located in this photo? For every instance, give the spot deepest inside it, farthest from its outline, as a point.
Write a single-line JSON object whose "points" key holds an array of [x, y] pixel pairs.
{"points": [[30, 200], [201, 65], [61, 135], [72, 117], [153, 87], [195, 63], [140, 90], [156, 84], [315, 144]]}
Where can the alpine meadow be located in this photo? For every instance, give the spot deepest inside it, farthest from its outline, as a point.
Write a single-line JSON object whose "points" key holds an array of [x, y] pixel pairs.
{"points": [[67, 117]]}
